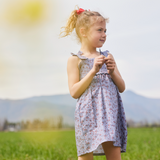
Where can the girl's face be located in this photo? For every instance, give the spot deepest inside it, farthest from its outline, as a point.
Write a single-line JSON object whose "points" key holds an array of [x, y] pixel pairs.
{"points": [[96, 35]]}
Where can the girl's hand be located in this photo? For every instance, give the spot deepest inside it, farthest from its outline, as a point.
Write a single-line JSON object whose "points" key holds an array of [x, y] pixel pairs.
{"points": [[110, 63], [98, 62]]}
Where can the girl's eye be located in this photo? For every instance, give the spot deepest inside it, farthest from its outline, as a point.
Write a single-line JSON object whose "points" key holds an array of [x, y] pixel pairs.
{"points": [[101, 30]]}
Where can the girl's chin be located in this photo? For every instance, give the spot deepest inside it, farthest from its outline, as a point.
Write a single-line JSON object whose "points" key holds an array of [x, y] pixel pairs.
{"points": [[98, 46]]}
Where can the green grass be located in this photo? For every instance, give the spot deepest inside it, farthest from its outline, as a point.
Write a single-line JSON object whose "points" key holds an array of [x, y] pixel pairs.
{"points": [[143, 144]]}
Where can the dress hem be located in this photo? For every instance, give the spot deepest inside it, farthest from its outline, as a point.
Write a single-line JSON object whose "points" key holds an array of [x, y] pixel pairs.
{"points": [[101, 154]]}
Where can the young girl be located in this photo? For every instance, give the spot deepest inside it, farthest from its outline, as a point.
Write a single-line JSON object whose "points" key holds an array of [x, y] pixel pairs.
{"points": [[94, 79]]}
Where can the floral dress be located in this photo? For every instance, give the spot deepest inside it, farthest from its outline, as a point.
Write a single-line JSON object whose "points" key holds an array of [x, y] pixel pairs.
{"points": [[99, 113]]}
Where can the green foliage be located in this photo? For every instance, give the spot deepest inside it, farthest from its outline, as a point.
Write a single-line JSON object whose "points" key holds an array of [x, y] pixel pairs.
{"points": [[143, 144]]}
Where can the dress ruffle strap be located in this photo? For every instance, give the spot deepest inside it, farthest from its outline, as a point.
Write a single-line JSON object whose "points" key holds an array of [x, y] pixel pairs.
{"points": [[79, 55], [105, 53]]}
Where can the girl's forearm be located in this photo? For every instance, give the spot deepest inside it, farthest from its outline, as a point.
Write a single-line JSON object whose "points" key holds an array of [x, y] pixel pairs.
{"points": [[79, 87], [119, 82]]}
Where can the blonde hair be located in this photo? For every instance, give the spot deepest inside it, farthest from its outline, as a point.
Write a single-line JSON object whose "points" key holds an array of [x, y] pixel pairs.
{"points": [[76, 21]]}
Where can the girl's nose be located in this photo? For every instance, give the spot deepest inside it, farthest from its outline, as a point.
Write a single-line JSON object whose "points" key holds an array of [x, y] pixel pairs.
{"points": [[104, 34]]}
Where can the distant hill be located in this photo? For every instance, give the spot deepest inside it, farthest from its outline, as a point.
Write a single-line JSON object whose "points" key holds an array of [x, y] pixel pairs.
{"points": [[38, 107], [140, 108], [137, 108]]}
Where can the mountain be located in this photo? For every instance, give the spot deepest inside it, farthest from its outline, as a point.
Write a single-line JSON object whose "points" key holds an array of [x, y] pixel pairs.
{"points": [[140, 108], [137, 107], [38, 107]]}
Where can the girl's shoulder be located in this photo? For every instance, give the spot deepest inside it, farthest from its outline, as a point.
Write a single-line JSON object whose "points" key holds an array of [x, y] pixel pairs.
{"points": [[74, 60]]}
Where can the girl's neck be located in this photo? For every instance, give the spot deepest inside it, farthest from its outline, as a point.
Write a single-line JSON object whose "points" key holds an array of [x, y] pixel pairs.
{"points": [[87, 50]]}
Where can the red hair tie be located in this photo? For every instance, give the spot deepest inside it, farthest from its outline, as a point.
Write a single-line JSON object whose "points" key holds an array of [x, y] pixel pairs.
{"points": [[79, 11]]}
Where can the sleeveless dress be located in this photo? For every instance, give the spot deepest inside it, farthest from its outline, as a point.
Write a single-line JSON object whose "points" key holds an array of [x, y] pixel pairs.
{"points": [[99, 113]]}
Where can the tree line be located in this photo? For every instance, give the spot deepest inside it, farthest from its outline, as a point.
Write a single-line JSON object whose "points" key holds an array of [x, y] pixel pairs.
{"points": [[35, 124], [145, 123]]}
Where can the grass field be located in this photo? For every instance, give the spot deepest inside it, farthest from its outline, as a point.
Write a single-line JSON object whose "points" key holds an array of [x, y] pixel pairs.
{"points": [[143, 144]]}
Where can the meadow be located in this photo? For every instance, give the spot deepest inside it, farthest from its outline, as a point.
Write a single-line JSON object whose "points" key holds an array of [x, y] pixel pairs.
{"points": [[143, 144]]}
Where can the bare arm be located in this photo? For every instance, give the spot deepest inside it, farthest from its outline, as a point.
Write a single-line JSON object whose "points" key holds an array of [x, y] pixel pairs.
{"points": [[114, 73], [116, 77], [76, 86]]}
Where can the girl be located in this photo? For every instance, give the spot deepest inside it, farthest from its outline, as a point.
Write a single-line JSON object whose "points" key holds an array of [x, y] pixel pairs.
{"points": [[94, 79]]}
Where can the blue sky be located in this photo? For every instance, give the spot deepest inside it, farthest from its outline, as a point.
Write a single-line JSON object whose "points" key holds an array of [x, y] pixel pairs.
{"points": [[33, 59]]}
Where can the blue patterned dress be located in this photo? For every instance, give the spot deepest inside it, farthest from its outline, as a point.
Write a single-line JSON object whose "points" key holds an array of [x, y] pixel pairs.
{"points": [[99, 113]]}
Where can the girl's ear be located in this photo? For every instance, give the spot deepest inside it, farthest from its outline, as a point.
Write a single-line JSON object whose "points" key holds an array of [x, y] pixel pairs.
{"points": [[83, 32]]}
